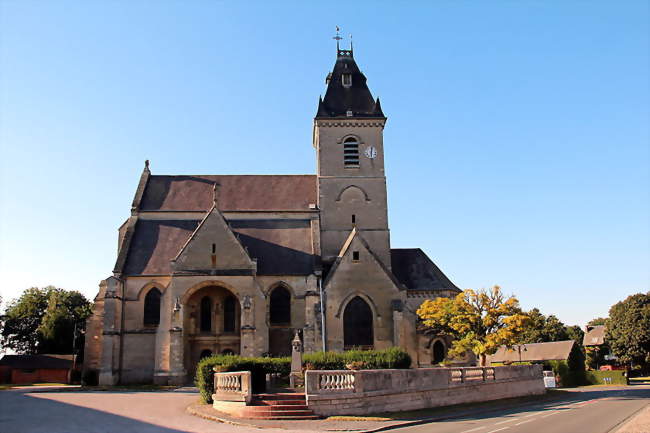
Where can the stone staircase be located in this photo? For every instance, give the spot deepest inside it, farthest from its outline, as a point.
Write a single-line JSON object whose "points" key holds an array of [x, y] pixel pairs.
{"points": [[282, 406]]}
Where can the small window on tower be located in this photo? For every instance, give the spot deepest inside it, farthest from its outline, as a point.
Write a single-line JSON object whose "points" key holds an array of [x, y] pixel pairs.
{"points": [[351, 152], [355, 256], [347, 80], [214, 248], [354, 219]]}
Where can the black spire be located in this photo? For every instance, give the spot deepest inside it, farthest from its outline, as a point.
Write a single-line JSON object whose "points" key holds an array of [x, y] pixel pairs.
{"points": [[347, 93]]}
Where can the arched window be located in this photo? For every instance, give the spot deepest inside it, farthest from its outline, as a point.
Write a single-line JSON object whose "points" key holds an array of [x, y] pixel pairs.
{"points": [[152, 307], [205, 354], [357, 325], [351, 152], [227, 352], [438, 352], [229, 314], [280, 306], [206, 314]]}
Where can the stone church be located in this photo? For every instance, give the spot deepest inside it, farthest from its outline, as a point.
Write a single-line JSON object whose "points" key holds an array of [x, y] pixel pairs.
{"points": [[237, 264]]}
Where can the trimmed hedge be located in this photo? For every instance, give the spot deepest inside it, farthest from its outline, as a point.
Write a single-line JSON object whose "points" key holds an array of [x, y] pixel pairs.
{"points": [[616, 377], [260, 367]]}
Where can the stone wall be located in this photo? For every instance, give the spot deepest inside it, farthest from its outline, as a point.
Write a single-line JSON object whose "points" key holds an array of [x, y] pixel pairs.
{"points": [[374, 391]]}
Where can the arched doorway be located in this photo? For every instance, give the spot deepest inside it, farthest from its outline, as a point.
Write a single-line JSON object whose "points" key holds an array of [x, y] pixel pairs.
{"points": [[280, 331], [211, 324], [438, 352], [358, 325]]}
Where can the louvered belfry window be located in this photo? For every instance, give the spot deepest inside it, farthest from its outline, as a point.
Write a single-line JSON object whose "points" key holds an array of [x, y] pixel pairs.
{"points": [[351, 152]]}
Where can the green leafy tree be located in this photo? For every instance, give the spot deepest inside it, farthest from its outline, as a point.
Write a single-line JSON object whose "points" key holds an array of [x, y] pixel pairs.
{"points": [[542, 329], [597, 321], [575, 333], [479, 321], [43, 320], [628, 330]]}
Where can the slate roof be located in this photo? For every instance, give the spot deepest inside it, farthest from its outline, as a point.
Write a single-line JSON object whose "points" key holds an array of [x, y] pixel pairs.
{"points": [[37, 361], [415, 270], [356, 98], [558, 350], [595, 336], [281, 247], [235, 192]]}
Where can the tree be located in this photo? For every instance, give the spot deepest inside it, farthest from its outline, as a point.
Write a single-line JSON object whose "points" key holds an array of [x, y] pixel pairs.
{"points": [[479, 321], [542, 329], [628, 329], [43, 320], [597, 321], [576, 334]]}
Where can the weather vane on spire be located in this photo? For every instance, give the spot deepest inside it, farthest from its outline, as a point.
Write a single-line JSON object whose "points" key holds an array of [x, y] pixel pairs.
{"points": [[337, 37]]}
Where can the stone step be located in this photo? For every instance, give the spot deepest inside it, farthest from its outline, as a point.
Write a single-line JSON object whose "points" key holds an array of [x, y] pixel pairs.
{"points": [[278, 402], [251, 413], [280, 417], [280, 396], [277, 407]]}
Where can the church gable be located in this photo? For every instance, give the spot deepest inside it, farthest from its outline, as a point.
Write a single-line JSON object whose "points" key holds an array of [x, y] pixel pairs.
{"points": [[358, 268], [213, 248]]}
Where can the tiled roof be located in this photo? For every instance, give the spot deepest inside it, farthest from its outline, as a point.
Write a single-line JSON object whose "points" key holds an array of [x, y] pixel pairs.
{"points": [[280, 246], [235, 192], [558, 350], [37, 361], [595, 336], [414, 269]]}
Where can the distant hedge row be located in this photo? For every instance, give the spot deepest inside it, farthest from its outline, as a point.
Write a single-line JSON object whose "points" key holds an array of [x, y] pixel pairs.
{"points": [[260, 367]]}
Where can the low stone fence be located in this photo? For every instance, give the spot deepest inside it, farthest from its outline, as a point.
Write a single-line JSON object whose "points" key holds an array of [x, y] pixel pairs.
{"points": [[235, 386], [345, 392]]}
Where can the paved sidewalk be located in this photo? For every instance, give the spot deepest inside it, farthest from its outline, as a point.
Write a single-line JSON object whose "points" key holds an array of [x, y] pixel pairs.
{"points": [[640, 423]]}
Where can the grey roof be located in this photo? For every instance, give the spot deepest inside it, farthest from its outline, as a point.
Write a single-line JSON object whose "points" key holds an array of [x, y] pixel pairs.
{"points": [[356, 98], [37, 361], [595, 336], [281, 247], [556, 350], [415, 270], [234, 192]]}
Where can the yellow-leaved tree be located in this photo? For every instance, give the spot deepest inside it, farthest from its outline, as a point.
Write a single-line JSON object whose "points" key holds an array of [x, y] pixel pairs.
{"points": [[480, 321]]}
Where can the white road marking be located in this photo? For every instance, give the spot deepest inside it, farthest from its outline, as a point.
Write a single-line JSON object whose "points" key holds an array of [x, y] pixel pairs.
{"points": [[499, 429], [508, 420], [549, 414], [524, 422], [474, 429], [531, 414]]}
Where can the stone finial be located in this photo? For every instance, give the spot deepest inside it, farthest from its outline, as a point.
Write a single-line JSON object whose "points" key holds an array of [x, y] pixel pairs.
{"points": [[146, 164]]}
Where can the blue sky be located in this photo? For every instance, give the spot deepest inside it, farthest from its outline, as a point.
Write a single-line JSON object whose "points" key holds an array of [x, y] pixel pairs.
{"points": [[517, 144]]}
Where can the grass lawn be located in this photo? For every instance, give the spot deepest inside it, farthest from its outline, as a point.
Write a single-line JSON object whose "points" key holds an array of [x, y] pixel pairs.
{"points": [[552, 394]]}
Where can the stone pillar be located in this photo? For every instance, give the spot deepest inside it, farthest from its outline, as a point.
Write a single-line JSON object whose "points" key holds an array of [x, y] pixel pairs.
{"points": [[111, 333], [312, 333], [177, 373], [296, 378], [398, 315]]}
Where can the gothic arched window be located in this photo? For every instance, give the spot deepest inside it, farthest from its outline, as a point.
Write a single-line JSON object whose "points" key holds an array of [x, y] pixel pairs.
{"points": [[206, 314], [229, 314], [351, 152], [152, 307], [280, 307], [205, 354], [357, 325]]}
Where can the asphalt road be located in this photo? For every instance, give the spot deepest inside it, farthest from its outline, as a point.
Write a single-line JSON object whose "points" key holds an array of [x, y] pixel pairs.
{"points": [[588, 410]]}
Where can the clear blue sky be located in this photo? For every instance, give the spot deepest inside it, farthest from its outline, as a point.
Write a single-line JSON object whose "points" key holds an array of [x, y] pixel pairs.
{"points": [[517, 143]]}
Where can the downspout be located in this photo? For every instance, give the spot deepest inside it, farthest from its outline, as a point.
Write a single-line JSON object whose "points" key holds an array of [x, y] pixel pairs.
{"points": [[322, 313]]}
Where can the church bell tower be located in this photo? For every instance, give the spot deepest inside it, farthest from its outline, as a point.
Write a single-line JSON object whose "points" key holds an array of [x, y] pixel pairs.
{"points": [[348, 137]]}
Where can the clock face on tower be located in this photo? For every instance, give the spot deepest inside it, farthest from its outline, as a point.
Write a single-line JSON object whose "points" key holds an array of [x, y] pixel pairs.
{"points": [[371, 152]]}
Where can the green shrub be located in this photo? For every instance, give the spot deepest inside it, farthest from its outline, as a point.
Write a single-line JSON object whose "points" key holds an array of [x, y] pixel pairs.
{"points": [[259, 367], [616, 377]]}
